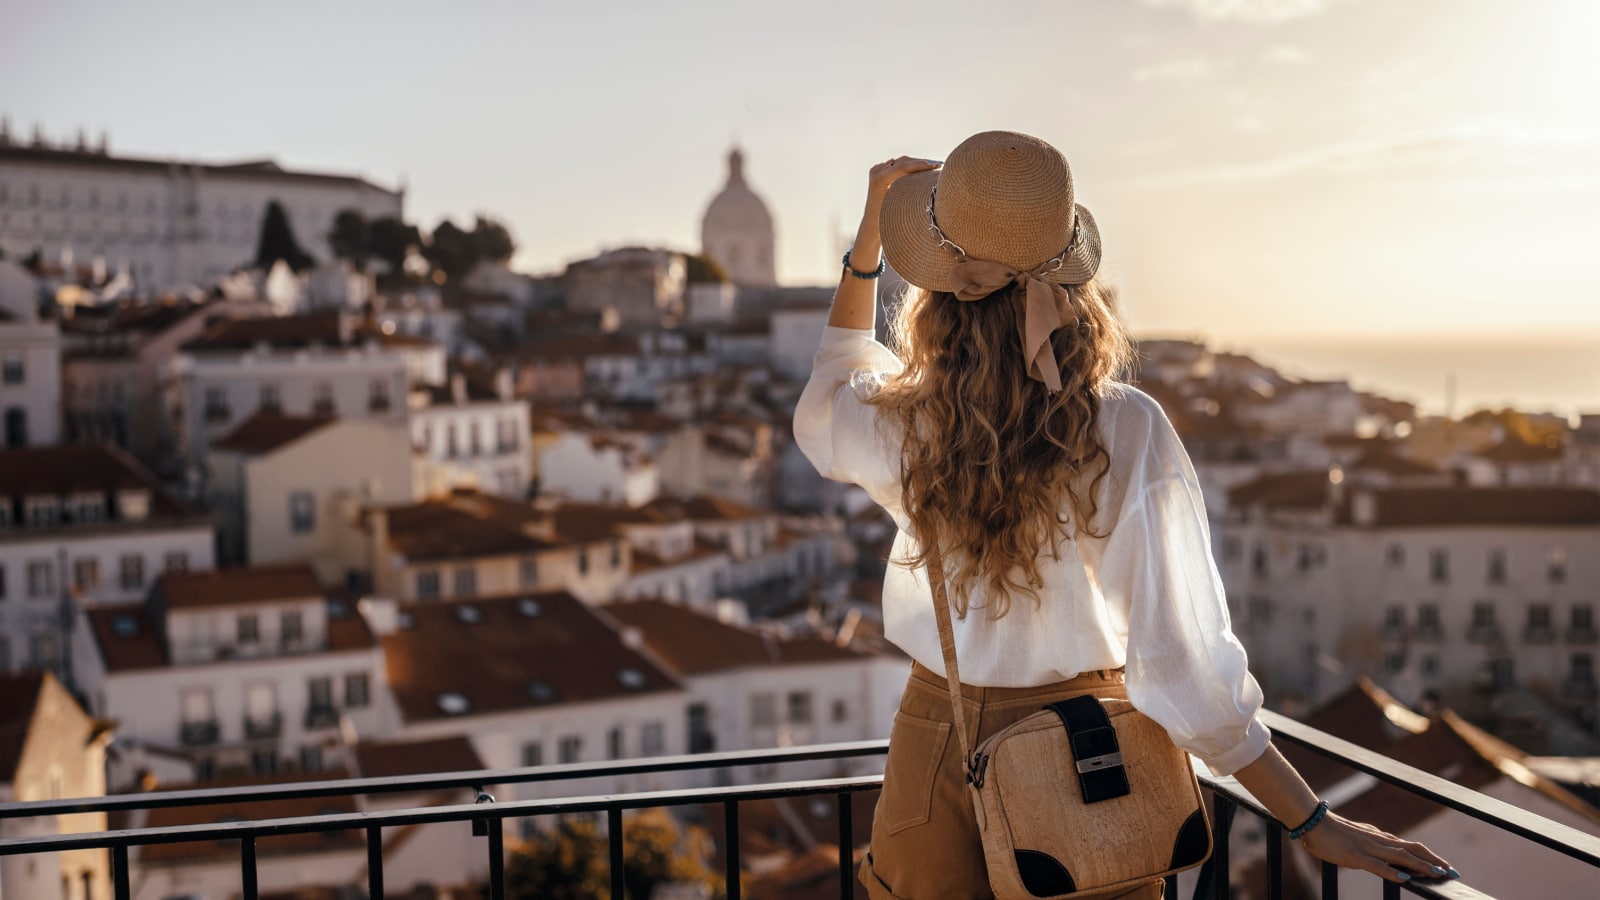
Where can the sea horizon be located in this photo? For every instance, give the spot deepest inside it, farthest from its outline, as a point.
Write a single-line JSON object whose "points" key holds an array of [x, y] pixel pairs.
{"points": [[1530, 372]]}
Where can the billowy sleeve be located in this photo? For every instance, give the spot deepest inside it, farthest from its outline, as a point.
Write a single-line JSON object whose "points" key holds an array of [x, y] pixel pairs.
{"points": [[1186, 669], [834, 426]]}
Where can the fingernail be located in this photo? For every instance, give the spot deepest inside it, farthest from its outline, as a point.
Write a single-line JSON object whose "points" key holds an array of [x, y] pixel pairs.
{"points": [[1452, 872], [1441, 871], [1405, 876]]}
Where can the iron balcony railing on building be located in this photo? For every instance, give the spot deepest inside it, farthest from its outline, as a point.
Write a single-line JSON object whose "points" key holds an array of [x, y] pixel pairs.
{"points": [[1213, 879], [199, 732]]}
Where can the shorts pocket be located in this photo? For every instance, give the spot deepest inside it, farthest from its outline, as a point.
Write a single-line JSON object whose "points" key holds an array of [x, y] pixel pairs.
{"points": [[916, 746]]}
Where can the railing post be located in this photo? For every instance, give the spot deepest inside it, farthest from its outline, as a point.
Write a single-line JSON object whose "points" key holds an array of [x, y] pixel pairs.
{"points": [[1330, 881], [847, 849], [730, 852], [374, 861], [1274, 860], [1220, 888], [614, 839], [1391, 890], [497, 859], [119, 872], [247, 867]]}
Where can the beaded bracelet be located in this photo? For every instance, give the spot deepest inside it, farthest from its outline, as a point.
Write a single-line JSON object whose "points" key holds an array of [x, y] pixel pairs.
{"points": [[882, 265], [1316, 817]]}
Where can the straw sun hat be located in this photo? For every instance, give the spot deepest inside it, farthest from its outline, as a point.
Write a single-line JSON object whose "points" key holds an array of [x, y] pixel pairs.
{"points": [[1002, 197]]}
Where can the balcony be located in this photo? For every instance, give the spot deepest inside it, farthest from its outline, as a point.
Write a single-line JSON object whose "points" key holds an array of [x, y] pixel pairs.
{"points": [[261, 728], [199, 732], [1583, 635], [1538, 634], [488, 818], [1485, 634], [321, 717]]}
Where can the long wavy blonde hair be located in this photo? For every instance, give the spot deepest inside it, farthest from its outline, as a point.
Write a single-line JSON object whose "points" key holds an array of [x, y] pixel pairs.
{"points": [[991, 460]]}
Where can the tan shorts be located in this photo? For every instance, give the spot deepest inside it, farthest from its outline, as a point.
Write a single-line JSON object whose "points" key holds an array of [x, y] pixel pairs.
{"points": [[925, 840]]}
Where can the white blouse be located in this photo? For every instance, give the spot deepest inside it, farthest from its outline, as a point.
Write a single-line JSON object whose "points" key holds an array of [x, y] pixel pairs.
{"points": [[1147, 595]]}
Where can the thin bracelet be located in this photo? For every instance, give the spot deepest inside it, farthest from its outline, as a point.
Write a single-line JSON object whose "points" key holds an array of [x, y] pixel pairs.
{"points": [[1310, 823], [882, 264]]}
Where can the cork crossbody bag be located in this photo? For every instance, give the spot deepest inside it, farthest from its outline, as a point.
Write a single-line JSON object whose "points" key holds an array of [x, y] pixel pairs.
{"points": [[1086, 795]]}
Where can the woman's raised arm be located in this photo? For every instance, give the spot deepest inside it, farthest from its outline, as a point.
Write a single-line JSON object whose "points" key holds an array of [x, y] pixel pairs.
{"points": [[856, 301]]}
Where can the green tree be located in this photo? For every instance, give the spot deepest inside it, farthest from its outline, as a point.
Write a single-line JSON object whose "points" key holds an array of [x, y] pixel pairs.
{"points": [[277, 241], [572, 862], [704, 270], [452, 250], [391, 240], [493, 240], [351, 237]]}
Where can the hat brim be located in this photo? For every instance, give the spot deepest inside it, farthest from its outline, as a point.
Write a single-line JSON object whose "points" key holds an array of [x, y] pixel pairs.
{"points": [[914, 252]]}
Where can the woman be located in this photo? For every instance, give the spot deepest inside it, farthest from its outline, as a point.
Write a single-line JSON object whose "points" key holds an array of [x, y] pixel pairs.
{"points": [[1065, 510]]}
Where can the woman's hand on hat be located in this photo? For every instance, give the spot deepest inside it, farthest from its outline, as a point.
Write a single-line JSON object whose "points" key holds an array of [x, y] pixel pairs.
{"points": [[889, 171], [1357, 845]]}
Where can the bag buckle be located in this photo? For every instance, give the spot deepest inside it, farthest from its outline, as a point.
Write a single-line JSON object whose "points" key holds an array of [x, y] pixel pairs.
{"points": [[1096, 763]]}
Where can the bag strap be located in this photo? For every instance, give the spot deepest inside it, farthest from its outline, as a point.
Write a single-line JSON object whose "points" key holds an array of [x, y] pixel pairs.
{"points": [[947, 646]]}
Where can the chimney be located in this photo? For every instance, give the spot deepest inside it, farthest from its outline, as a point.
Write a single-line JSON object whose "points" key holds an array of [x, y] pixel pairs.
{"points": [[458, 388]]}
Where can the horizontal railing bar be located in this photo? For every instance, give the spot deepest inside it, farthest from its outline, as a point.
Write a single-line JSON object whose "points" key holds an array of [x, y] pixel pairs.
{"points": [[223, 831], [345, 787], [1563, 839]]}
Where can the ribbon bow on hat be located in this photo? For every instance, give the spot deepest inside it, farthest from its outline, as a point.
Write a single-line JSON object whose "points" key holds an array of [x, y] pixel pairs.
{"points": [[1044, 307]]}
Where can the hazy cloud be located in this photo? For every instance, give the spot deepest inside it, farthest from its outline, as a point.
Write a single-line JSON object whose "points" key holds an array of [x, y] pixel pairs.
{"points": [[1190, 68], [1495, 147], [1255, 11], [1286, 55]]}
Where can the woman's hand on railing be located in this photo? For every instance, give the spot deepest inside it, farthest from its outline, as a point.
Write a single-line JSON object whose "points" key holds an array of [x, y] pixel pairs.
{"points": [[1357, 845]]}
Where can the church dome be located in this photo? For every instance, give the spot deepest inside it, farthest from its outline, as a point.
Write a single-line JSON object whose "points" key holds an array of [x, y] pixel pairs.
{"points": [[737, 229]]}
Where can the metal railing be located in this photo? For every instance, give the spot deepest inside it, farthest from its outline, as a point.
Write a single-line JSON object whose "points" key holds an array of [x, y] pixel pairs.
{"points": [[1213, 878]]}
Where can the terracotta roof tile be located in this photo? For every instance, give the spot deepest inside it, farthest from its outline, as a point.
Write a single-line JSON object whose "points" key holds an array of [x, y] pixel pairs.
{"points": [[452, 529], [274, 845], [237, 586], [19, 697], [1380, 458], [127, 637], [709, 507], [232, 335], [83, 468], [510, 653], [1305, 490], [1516, 450], [694, 643], [1422, 507], [265, 432], [391, 759]]}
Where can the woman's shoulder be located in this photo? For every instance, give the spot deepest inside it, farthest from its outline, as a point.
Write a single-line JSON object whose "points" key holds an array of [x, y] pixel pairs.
{"points": [[1124, 407]]}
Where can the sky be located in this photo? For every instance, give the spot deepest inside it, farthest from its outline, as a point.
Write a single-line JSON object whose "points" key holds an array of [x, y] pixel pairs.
{"points": [[1332, 168]]}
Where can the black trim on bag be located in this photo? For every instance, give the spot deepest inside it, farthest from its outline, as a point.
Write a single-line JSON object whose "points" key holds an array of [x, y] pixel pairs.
{"points": [[1095, 752]]}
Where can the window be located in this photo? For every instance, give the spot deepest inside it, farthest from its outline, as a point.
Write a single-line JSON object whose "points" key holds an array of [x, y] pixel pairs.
{"points": [[532, 754], [1430, 664], [1583, 618], [652, 739], [311, 758], [1502, 673], [614, 748], [1394, 662], [1394, 617], [466, 582], [176, 561], [474, 439], [357, 690], [85, 573], [1258, 559], [2, 593], [583, 561], [319, 693], [131, 571], [11, 369], [1305, 557], [800, 707], [529, 571], [700, 738], [841, 711], [1556, 565], [196, 705], [249, 628], [41, 578], [1582, 669], [264, 760], [1483, 615], [291, 627], [616, 556], [302, 512], [269, 399], [1232, 549], [1539, 617], [1439, 566], [46, 651], [570, 750], [378, 395], [452, 447], [216, 406], [322, 400], [1497, 566], [763, 710], [428, 584]]}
